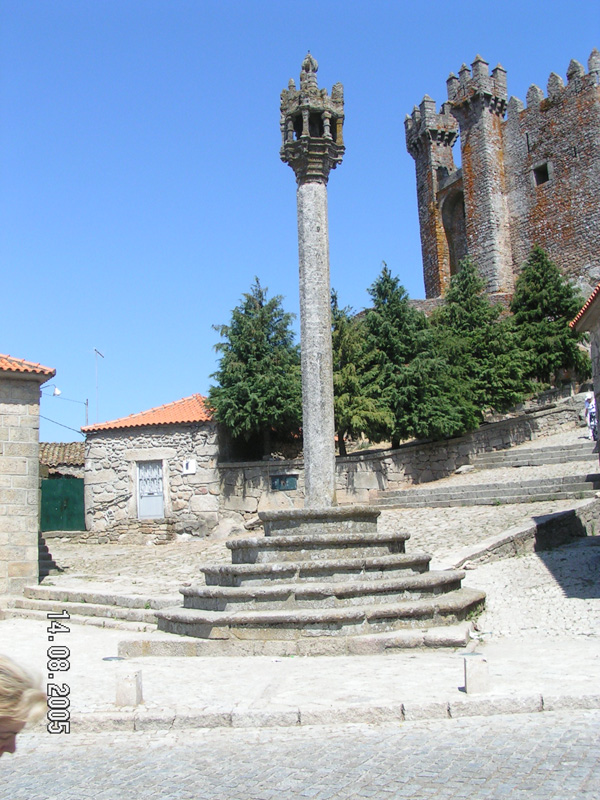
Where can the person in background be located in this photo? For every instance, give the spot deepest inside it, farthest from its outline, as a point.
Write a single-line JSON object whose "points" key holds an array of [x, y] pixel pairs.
{"points": [[21, 701], [590, 414]]}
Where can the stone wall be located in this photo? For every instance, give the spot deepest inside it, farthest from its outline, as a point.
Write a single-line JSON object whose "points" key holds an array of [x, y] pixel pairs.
{"points": [[191, 502], [19, 491], [246, 487]]}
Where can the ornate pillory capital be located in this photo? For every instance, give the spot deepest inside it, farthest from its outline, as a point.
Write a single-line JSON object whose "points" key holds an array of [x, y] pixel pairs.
{"points": [[312, 124]]}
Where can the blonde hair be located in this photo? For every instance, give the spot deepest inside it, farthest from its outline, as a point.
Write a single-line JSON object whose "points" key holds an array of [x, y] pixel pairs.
{"points": [[21, 697]]}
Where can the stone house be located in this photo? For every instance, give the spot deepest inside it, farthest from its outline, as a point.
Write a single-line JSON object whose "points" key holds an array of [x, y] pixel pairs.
{"points": [[153, 474], [530, 175], [20, 383]]}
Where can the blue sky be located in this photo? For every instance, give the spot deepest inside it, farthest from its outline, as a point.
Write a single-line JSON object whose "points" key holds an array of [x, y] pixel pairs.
{"points": [[141, 185]]}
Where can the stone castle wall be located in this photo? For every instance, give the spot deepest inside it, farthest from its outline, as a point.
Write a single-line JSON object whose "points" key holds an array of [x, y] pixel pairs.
{"points": [[19, 479], [532, 178], [191, 501]]}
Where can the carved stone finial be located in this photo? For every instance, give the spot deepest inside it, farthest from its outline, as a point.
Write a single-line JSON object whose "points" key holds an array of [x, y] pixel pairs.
{"points": [[308, 74]]}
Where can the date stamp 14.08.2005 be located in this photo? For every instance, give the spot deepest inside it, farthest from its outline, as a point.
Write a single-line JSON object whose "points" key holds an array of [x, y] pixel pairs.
{"points": [[59, 714]]}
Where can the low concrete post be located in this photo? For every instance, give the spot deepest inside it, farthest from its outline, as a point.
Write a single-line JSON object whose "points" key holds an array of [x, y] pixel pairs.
{"points": [[477, 676], [129, 686]]}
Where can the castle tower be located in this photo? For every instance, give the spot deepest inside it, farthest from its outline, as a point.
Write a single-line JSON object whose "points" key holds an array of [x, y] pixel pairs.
{"points": [[478, 101], [311, 128], [429, 140]]}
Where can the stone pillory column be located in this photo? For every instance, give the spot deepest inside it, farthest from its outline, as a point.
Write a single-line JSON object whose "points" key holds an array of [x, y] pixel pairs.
{"points": [[311, 127]]}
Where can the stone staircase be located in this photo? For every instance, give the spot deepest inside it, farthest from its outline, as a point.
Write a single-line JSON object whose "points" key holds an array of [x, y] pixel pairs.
{"points": [[101, 609], [536, 456], [569, 487], [46, 563], [312, 593]]}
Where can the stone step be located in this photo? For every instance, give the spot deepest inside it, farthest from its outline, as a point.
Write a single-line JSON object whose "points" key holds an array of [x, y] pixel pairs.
{"points": [[547, 497], [331, 569], [586, 480], [534, 456], [290, 596], [315, 546], [449, 608], [80, 619], [71, 595], [172, 646], [566, 487], [87, 609]]}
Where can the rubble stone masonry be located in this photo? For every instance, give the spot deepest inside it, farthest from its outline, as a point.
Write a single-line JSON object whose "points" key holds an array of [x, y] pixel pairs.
{"points": [[191, 501]]}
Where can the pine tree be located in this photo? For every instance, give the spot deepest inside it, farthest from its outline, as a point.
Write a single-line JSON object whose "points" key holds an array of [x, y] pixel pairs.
{"points": [[392, 340], [356, 411], [258, 386], [543, 304], [479, 344]]}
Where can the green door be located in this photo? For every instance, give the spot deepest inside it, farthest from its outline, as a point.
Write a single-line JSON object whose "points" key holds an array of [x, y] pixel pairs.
{"points": [[62, 504]]}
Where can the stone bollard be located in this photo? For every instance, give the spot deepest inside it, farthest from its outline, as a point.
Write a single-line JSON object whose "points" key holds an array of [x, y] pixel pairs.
{"points": [[129, 686], [477, 676]]}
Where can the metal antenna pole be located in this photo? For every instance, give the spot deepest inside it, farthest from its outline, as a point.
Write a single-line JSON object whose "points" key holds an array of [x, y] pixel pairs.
{"points": [[98, 353]]}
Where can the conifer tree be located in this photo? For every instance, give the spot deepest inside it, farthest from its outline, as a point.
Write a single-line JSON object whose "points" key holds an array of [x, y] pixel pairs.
{"points": [[258, 391], [392, 340], [356, 411], [543, 304], [479, 344]]}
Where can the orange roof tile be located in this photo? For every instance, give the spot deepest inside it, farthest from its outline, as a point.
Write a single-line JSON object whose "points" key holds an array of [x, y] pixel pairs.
{"points": [[11, 364], [189, 409], [588, 303]]}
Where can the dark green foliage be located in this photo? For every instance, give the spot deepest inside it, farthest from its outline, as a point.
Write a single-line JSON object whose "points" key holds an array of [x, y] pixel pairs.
{"points": [[543, 304], [258, 391], [356, 411], [392, 328], [479, 344]]}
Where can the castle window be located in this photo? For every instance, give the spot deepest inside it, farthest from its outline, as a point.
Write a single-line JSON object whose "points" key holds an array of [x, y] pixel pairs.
{"points": [[298, 125], [541, 174]]}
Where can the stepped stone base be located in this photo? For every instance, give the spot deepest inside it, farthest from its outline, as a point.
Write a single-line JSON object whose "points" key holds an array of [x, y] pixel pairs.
{"points": [[317, 576]]}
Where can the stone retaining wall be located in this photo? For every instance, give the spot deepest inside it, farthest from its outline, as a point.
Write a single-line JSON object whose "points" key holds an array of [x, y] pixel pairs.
{"points": [[246, 487]]}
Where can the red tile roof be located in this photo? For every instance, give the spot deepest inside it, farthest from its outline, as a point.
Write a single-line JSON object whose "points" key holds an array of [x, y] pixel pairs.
{"points": [[11, 364], [52, 454], [190, 409], [588, 303]]}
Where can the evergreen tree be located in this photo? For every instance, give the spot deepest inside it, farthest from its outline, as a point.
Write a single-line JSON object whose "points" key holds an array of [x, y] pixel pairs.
{"points": [[479, 344], [258, 393], [543, 304], [392, 340], [355, 410]]}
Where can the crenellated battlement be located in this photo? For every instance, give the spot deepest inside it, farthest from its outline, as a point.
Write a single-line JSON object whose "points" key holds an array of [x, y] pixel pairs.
{"points": [[477, 82], [425, 125], [530, 174]]}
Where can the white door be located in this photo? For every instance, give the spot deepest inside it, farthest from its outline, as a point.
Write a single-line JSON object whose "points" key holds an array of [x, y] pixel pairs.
{"points": [[150, 490]]}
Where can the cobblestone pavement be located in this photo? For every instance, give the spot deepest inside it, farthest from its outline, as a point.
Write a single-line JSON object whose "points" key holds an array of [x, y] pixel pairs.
{"points": [[555, 593], [538, 757]]}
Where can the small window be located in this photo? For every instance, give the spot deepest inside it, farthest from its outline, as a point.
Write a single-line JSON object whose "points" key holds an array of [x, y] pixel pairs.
{"points": [[282, 483], [541, 174]]}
